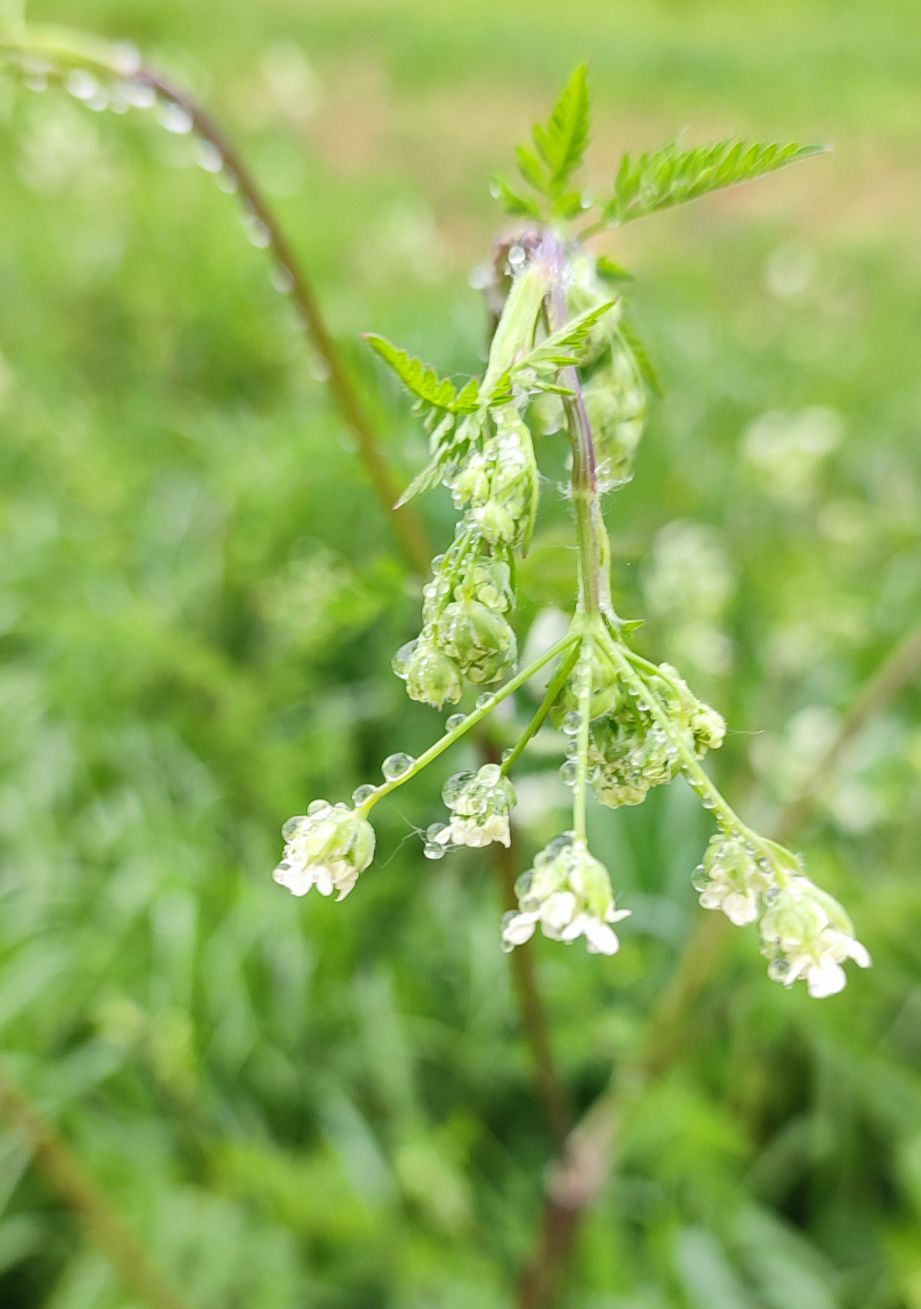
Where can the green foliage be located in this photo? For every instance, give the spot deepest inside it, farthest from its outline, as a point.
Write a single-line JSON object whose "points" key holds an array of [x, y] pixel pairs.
{"points": [[671, 176], [559, 149], [421, 380]]}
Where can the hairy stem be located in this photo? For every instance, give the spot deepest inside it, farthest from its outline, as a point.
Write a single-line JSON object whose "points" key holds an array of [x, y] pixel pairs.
{"points": [[577, 1178], [591, 533]]}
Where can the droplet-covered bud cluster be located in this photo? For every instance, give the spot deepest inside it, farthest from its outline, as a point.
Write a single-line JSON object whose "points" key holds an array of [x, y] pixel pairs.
{"points": [[567, 894], [466, 635], [481, 806], [614, 389], [631, 750], [328, 847], [498, 483]]}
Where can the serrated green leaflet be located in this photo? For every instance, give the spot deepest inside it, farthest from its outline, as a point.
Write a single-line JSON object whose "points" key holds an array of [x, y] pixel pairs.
{"points": [[422, 381], [668, 177]]}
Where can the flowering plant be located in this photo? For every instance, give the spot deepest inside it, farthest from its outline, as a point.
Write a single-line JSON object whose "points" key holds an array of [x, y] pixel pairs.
{"points": [[565, 358]]}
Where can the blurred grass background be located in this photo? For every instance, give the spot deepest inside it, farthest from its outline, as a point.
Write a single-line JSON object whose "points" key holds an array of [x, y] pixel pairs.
{"points": [[298, 1104]]}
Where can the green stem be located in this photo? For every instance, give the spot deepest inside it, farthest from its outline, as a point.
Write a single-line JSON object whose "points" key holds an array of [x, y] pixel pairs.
{"points": [[470, 721], [585, 713], [699, 779], [561, 677]]}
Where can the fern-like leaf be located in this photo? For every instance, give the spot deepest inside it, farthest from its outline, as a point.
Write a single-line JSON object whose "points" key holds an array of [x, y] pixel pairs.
{"points": [[644, 364], [563, 347], [562, 141], [670, 176], [422, 381]]}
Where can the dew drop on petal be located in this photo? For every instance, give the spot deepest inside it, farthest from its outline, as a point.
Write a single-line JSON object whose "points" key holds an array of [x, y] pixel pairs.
{"points": [[454, 722]]}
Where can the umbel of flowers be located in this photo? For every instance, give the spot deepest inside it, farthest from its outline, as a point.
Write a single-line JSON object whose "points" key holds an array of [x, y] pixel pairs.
{"points": [[564, 360]]}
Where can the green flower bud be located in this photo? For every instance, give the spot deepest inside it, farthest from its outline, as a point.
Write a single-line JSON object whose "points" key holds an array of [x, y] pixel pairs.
{"points": [[482, 642], [431, 676]]}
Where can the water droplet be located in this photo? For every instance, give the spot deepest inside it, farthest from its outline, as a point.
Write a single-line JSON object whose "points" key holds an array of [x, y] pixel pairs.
{"points": [[362, 794], [455, 721], [208, 157], [174, 118], [433, 851], [292, 827], [516, 257], [483, 700], [140, 95], [81, 84], [569, 772], [319, 368], [319, 808], [778, 969], [256, 231], [35, 82], [490, 774], [228, 182], [98, 102], [396, 765], [282, 279], [433, 831], [571, 723]]}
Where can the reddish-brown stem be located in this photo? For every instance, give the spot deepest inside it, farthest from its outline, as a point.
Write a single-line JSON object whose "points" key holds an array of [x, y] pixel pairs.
{"points": [[66, 1176]]}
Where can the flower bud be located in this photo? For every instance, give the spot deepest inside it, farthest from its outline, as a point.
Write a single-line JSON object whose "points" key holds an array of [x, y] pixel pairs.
{"points": [[431, 676], [568, 894], [482, 642], [328, 847]]}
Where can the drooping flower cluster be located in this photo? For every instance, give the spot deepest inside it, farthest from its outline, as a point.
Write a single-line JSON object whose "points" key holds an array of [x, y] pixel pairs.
{"points": [[807, 935], [481, 806], [328, 847], [567, 894], [466, 635], [631, 750]]}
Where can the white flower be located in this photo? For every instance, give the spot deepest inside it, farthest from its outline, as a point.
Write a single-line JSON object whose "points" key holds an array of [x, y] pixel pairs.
{"points": [[732, 878], [808, 935], [328, 847], [568, 894], [481, 805]]}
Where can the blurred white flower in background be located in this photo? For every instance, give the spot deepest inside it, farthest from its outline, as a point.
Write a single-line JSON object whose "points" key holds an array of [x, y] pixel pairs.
{"points": [[688, 583], [787, 449]]}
